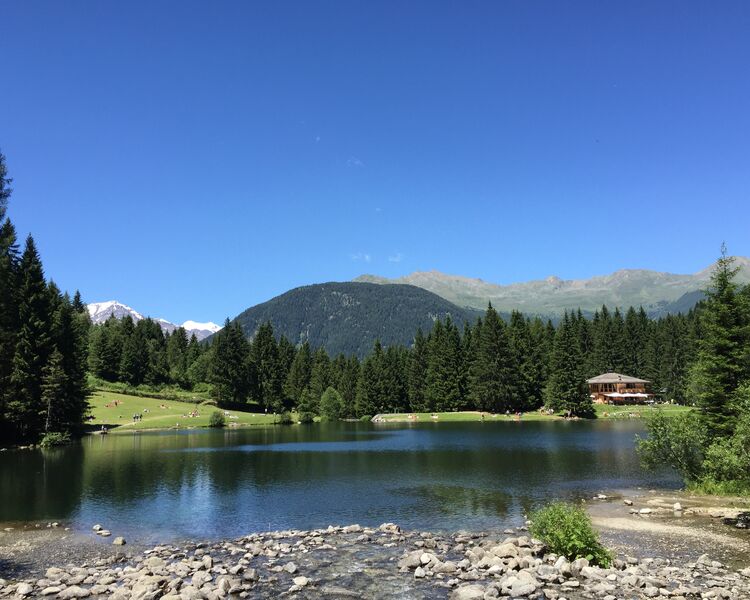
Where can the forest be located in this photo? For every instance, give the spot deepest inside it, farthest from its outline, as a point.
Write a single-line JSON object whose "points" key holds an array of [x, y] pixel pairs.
{"points": [[491, 365]]}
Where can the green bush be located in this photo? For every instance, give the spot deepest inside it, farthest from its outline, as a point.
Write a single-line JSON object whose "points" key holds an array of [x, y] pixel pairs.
{"points": [[365, 418], [567, 531], [678, 441], [55, 438], [286, 419], [217, 419], [306, 418]]}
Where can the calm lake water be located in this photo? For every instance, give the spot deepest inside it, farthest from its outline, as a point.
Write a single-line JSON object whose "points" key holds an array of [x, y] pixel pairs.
{"points": [[209, 484]]}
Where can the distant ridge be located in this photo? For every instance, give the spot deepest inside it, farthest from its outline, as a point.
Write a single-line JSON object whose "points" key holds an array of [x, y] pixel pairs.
{"points": [[101, 311], [657, 292], [348, 317]]}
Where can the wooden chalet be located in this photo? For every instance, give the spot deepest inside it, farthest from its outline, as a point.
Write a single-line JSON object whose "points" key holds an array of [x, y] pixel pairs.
{"points": [[614, 388]]}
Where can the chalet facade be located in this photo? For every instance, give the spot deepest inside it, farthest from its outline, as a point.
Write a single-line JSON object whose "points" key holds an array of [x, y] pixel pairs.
{"points": [[614, 388]]}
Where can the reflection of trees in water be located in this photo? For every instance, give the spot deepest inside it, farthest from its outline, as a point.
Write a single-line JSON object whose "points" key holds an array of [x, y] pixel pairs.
{"points": [[40, 484], [452, 499]]}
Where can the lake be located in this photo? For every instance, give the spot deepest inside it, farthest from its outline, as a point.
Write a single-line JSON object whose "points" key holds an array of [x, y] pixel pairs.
{"points": [[207, 484]]}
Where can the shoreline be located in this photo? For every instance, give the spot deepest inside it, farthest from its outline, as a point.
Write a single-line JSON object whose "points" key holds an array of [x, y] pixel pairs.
{"points": [[375, 562], [695, 550]]}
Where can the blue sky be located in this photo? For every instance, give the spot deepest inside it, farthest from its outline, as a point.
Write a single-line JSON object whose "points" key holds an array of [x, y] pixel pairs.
{"points": [[192, 159]]}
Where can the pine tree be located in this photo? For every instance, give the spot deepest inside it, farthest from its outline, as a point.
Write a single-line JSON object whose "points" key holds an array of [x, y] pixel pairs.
{"points": [[228, 370], [264, 355], [320, 376], [417, 373], [8, 314], [33, 346], [298, 377], [54, 392], [566, 389], [722, 361], [443, 389], [494, 379], [5, 189]]}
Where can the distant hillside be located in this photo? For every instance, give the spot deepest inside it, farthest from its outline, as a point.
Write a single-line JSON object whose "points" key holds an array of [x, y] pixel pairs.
{"points": [[656, 292], [349, 317]]}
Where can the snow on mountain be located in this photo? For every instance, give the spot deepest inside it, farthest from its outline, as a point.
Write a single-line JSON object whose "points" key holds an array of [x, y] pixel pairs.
{"points": [[208, 326], [101, 311]]}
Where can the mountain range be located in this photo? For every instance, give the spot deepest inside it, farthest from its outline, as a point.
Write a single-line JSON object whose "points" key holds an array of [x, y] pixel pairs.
{"points": [[658, 293], [101, 311]]}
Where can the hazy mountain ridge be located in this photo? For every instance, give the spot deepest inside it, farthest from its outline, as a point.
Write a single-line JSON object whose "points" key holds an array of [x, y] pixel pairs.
{"points": [[348, 317], [653, 290], [101, 311]]}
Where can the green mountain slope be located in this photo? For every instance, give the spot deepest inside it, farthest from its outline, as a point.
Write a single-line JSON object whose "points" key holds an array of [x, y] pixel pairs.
{"points": [[349, 317], [653, 290]]}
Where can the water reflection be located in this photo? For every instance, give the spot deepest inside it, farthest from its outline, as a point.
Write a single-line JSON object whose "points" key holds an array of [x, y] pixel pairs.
{"points": [[223, 483]]}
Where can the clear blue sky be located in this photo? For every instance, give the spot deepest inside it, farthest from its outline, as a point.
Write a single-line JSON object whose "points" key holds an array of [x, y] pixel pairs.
{"points": [[192, 159]]}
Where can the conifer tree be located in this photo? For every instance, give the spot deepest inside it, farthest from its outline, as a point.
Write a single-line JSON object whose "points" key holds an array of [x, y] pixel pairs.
{"points": [[443, 389], [264, 355], [33, 346], [331, 404], [5, 189], [228, 370], [8, 314], [566, 390], [494, 378], [298, 377], [417, 373], [723, 350], [54, 394], [320, 376]]}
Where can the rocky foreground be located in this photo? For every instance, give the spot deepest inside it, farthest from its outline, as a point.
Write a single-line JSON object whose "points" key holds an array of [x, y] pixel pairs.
{"points": [[383, 562]]}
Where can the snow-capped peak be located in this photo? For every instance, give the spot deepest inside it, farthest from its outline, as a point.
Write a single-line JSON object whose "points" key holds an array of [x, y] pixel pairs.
{"points": [[101, 311], [208, 326]]}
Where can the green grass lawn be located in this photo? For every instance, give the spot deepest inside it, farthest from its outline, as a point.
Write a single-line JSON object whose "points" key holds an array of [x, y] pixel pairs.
{"points": [[602, 412], [160, 414]]}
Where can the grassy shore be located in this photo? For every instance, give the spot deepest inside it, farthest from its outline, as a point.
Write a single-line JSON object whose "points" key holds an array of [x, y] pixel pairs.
{"points": [[602, 412], [115, 411]]}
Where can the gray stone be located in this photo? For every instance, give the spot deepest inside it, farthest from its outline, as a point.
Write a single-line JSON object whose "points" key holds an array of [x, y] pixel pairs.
{"points": [[468, 592], [24, 589], [290, 567], [119, 541], [74, 592], [419, 573], [301, 581]]}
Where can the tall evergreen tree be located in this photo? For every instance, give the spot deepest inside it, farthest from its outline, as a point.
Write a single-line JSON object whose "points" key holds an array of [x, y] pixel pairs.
{"points": [[723, 350], [33, 346], [298, 377], [5, 189], [494, 379], [228, 365], [264, 355], [566, 390], [417, 373]]}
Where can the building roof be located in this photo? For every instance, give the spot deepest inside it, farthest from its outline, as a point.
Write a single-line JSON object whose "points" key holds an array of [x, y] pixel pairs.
{"points": [[616, 378]]}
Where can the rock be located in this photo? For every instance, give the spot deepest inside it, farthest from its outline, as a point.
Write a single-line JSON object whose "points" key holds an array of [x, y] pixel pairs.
{"points": [[24, 589], [74, 592], [411, 560], [426, 558], [419, 573], [644, 511], [207, 562], [119, 541], [97, 527], [301, 581], [104, 532], [290, 567], [628, 502], [601, 497], [468, 592], [677, 507], [577, 565], [48, 591], [250, 575], [506, 550]]}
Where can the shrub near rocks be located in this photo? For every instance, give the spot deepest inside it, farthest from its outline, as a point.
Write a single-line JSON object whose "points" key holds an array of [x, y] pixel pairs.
{"points": [[567, 530]]}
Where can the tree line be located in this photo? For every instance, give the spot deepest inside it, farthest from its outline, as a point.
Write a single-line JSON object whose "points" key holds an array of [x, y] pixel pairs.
{"points": [[44, 337], [490, 365]]}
